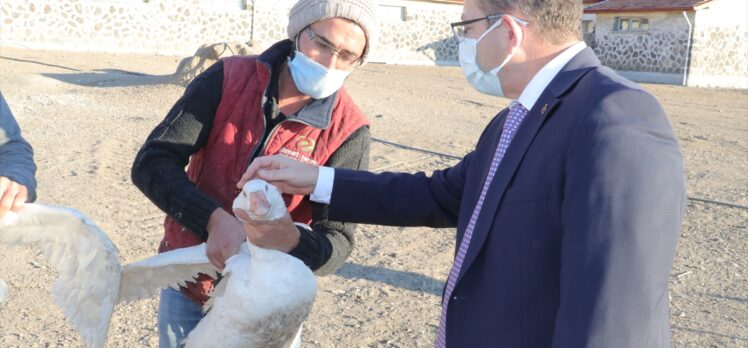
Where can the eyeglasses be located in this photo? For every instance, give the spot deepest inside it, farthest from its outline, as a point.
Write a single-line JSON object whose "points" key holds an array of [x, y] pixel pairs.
{"points": [[460, 29], [327, 49]]}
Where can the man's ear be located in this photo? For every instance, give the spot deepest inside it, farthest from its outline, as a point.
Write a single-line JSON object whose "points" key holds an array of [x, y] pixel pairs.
{"points": [[516, 34]]}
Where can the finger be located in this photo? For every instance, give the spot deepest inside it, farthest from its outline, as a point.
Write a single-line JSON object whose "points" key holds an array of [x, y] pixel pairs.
{"points": [[4, 184], [229, 251], [242, 215], [281, 174], [7, 199], [214, 257], [218, 262], [20, 198], [257, 163]]}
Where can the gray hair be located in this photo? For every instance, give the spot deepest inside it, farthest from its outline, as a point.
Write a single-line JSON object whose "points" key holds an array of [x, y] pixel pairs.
{"points": [[555, 21]]}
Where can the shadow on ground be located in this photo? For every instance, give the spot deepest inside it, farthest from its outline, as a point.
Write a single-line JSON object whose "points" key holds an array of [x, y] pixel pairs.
{"points": [[400, 279], [113, 78], [101, 77]]}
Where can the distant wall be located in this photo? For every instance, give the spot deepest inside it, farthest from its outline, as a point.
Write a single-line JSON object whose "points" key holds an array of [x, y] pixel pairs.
{"points": [[129, 26], [719, 56], [413, 32], [419, 35], [655, 55]]}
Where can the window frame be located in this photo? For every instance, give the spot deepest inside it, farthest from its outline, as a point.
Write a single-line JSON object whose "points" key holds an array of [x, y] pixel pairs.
{"points": [[642, 24]]}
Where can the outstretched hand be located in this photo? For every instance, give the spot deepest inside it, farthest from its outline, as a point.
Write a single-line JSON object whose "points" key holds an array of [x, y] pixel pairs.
{"points": [[12, 195], [288, 175]]}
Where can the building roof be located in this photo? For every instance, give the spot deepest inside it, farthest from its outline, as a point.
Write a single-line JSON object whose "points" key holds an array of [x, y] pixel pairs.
{"points": [[645, 5]]}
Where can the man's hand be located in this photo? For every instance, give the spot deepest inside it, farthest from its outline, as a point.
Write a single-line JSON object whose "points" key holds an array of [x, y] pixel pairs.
{"points": [[288, 175], [225, 235], [12, 195], [280, 234]]}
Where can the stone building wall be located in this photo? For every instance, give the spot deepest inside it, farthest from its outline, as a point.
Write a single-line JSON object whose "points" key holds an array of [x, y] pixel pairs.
{"points": [[128, 26], [656, 55], [271, 21], [413, 32], [719, 55], [421, 35]]}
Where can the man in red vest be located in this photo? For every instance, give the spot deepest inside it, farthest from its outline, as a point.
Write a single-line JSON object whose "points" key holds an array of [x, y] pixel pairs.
{"points": [[288, 100]]}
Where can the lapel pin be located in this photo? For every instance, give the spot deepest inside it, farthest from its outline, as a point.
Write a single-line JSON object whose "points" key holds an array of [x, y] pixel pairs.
{"points": [[544, 109]]}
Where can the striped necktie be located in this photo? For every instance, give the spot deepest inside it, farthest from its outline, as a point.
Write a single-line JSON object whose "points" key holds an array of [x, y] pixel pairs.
{"points": [[517, 113]]}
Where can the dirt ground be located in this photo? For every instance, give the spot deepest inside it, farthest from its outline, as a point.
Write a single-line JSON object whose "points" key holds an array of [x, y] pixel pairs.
{"points": [[87, 115]]}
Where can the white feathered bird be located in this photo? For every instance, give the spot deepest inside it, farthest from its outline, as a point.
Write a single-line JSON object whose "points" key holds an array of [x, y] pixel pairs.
{"points": [[262, 300], [264, 297], [86, 261]]}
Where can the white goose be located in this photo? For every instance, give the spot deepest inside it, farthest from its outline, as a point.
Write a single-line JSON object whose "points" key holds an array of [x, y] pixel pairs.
{"points": [[262, 300]]}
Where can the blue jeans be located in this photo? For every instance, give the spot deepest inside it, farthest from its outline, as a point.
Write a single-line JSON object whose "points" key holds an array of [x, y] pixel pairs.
{"points": [[177, 316]]}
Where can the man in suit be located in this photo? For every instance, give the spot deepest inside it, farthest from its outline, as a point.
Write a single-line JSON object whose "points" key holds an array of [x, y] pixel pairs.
{"points": [[568, 210]]}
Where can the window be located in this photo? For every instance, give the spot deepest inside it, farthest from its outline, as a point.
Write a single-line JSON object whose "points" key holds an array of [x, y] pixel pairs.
{"points": [[588, 27], [631, 24], [390, 13]]}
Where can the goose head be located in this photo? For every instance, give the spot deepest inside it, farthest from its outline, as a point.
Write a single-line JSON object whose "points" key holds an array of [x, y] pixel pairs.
{"points": [[261, 201]]}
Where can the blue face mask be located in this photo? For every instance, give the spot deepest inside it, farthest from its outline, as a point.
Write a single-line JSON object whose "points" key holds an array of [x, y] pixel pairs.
{"points": [[485, 82], [313, 79]]}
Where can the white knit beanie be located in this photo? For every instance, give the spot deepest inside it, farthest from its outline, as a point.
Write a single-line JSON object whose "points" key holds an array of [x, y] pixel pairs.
{"points": [[362, 12]]}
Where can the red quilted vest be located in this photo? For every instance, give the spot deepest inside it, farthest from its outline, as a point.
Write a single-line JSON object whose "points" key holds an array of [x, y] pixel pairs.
{"points": [[238, 128]]}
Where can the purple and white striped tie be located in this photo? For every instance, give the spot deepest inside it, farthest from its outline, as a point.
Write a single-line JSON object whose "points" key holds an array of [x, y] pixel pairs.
{"points": [[517, 113]]}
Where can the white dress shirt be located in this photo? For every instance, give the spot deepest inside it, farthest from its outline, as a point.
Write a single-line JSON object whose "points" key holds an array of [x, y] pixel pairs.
{"points": [[326, 175]]}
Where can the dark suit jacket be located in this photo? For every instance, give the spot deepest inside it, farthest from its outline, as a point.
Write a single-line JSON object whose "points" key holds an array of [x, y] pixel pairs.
{"points": [[576, 237]]}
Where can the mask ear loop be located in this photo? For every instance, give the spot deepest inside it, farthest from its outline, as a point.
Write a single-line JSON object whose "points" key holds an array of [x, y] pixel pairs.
{"points": [[490, 29], [296, 43], [521, 37]]}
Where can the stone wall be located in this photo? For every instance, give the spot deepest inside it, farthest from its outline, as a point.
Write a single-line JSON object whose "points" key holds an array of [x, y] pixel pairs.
{"points": [[128, 26], [422, 34], [659, 52], [718, 48], [271, 21], [719, 56], [413, 32]]}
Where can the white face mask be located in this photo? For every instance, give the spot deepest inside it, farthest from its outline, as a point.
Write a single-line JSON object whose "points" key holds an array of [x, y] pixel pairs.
{"points": [[313, 79], [484, 82]]}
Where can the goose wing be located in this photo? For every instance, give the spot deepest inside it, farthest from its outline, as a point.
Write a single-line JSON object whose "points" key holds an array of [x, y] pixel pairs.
{"points": [[170, 269], [86, 260]]}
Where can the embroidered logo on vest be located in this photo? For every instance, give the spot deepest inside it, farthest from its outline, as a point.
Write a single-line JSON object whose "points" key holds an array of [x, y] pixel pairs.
{"points": [[297, 155], [305, 144]]}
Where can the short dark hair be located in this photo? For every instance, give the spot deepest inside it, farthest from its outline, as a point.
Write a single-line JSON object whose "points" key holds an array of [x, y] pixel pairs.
{"points": [[555, 21]]}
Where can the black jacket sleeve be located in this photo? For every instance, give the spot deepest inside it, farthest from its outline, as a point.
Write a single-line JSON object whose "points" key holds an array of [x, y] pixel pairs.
{"points": [[328, 244], [158, 170]]}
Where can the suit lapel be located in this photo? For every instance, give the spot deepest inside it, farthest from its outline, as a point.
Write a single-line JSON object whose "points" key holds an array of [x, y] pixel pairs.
{"points": [[543, 109]]}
